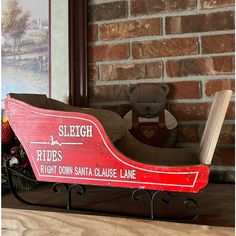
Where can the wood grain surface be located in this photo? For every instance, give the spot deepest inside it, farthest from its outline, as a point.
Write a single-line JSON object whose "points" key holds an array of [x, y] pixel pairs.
{"points": [[28, 222], [216, 202], [213, 126], [72, 147]]}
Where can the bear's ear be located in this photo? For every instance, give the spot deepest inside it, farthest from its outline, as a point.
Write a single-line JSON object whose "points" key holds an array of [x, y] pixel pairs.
{"points": [[130, 89], [165, 88]]}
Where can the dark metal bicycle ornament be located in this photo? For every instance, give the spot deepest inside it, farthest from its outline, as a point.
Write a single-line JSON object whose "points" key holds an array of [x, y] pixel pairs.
{"points": [[137, 195]]}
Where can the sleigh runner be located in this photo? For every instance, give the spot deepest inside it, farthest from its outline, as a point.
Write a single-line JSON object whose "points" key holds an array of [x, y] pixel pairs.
{"points": [[93, 147]]}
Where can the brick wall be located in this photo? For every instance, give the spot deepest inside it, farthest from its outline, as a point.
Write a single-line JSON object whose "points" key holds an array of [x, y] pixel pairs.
{"points": [[188, 44]]}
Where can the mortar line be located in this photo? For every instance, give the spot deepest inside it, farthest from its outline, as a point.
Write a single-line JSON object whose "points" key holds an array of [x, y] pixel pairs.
{"points": [[200, 44], [97, 2], [179, 101], [198, 5], [160, 37], [129, 9], [143, 60], [163, 26], [172, 14], [203, 79]]}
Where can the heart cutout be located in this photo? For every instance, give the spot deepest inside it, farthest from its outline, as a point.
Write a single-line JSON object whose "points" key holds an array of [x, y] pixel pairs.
{"points": [[148, 133]]}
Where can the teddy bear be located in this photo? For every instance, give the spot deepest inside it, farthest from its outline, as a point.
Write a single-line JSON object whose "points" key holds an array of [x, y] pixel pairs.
{"points": [[148, 120]]}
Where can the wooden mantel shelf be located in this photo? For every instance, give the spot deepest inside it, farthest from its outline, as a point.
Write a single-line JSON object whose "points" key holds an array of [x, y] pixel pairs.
{"points": [[31, 222], [216, 218]]}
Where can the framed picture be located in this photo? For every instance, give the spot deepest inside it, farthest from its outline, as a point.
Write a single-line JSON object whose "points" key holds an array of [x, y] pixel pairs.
{"points": [[49, 53], [25, 38], [69, 80], [78, 59]]}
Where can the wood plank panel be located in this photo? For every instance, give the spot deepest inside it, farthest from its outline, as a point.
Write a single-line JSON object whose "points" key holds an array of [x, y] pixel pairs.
{"points": [[22, 222], [213, 126]]}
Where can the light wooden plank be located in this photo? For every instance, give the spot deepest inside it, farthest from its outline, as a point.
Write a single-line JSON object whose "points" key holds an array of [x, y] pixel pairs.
{"points": [[213, 126], [27, 222]]}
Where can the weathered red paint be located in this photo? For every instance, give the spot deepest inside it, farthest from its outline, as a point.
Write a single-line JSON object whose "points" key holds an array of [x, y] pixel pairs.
{"points": [[92, 159]]}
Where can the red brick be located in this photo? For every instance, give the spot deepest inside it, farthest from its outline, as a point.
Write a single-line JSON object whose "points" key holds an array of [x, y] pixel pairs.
{"points": [[108, 52], [93, 73], [122, 72], [213, 86], [92, 33], [146, 7], [189, 111], [130, 29], [216, 3], [218, 43], [224, 157], [224, 65], [230, 114], [108, 93], [227, 134], [108, 11], [164, 48], [131, 71], [188, 134], [200, 66], [200, 23], [154, 69], [184, 89]]}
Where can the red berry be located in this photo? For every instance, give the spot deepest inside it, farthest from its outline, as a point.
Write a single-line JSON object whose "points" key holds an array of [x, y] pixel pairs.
{"points": [[15, 150]]}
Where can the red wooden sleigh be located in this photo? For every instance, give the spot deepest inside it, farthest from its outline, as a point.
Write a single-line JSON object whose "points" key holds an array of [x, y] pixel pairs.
{"points": [[91, 146]]}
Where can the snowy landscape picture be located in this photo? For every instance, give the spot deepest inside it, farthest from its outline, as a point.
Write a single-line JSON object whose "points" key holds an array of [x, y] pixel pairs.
{"points": [[25, 46]]}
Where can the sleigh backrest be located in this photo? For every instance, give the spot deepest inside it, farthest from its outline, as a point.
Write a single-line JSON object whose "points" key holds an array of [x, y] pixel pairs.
{"points": [[213, 125], [111, 122]]}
